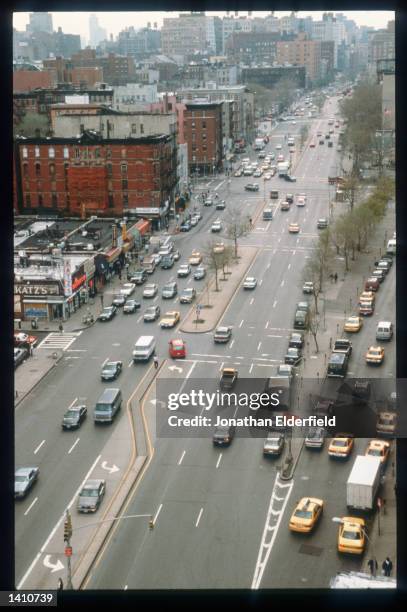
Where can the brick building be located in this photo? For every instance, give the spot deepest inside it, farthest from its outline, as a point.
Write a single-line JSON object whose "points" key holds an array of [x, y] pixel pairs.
{"points": [[301, 52], [203, 134], [252, 47], [27, 80], [268, 76], [90, 175]]}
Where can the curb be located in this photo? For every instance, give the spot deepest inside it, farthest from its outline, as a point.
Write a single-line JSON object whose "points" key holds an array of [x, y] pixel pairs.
{"points": [[294, 465], [206, 330], [53, 365]]}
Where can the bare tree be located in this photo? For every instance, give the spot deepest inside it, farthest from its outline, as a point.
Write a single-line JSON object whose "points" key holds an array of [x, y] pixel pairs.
{"points": [[303, 135], [227, 258], [350, 186], [237, 225], [214, 256], [314, 323]]}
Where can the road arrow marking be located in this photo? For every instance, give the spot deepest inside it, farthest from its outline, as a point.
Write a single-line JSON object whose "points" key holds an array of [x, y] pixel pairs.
{"points": [[156, 401], [172, 368], [54, 567], [111, 470]]}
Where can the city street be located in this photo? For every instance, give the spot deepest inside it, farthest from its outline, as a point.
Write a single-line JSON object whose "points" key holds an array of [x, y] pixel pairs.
{"points": [[220, 514]]}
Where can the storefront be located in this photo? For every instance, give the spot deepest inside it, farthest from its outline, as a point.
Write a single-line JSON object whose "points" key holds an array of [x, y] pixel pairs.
{"points": [[43, 300], [158, 217]]}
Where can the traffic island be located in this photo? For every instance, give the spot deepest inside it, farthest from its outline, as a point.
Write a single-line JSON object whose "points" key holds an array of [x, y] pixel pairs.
{"points": [[204, 316]]}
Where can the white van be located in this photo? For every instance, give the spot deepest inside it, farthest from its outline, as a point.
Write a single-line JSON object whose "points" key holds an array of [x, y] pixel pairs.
{"points": [[391, 247], [144, 348], [384, 330]]}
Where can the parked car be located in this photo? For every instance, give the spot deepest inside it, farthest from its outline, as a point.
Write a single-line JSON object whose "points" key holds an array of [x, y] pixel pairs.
{"points": [[372, 284], [296, 340], [107, 313], [308, 287], [185, 227], [74, 417], [293, 356], [151, 313], [23, 340], [20, 355]]}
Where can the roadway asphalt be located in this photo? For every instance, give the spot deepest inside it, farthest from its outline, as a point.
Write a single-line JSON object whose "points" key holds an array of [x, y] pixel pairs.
{"points": [[190, 486]]}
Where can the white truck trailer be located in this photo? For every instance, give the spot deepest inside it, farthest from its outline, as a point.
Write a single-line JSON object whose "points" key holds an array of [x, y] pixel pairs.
{"points": [[363, 483]]}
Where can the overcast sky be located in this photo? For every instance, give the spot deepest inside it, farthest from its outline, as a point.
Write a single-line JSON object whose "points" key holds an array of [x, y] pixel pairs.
{"points": [[113, 22]]}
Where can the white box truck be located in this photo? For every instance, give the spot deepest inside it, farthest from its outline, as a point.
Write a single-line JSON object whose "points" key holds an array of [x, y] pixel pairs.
{"points": [[363, 483], [283, 168]]}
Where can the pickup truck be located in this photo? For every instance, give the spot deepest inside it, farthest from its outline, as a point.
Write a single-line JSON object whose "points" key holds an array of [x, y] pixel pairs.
{"points": [[343, 345], [228, 378]]}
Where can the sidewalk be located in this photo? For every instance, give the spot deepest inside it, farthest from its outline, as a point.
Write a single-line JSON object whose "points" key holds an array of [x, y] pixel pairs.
{"points": [[209, 316]]}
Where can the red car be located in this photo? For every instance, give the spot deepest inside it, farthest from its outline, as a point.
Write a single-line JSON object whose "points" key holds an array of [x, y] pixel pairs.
{"points": [[177, 348], [22, 339], [372, 284]]}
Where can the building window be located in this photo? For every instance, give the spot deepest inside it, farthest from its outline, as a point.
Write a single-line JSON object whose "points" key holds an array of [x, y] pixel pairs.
{"points": [[77, 153], [124, 184], [109, 169], [141, 128], [25, 152], [193, 124], [134, 128], [110, 200], [37, 169], [203, 136], [28, 200], [66, 153], [54, 200], [51, 152], [40, 200], [97, 153], [25, 169], [204, 124], [52, 169], [108, 153], [124, 152], [81, 127], [125, 200], [123, 168], [37, 151]]}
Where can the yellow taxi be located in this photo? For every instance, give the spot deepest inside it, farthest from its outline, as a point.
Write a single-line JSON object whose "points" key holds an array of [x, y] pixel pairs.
{"points": [[293, 228], [195, 259], [306, 514], [341, 446], [375, 355], [353, 324], [351, 537], [378, 448], [170, 319]]}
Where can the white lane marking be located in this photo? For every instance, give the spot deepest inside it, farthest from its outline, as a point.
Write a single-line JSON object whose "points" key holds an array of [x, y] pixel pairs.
{"points": [[171, 279], [282, 283], [126, 586], [273, 336], [268, 266], [217, 186], [274, 303], [251, 368], [261, 564], [260, 282], [258, 346], [204, 355], [289, 266], [53, 531], [241, 323], [219, 459], [139, 319], [30, 506], [231, 344], [187, 376], [251, 301], [105, 362], [294, 252], [181, 458], [199, 517], [38, 447], [266, 326], [157, 513], [72, 403], [130, 363], [73, 446]]}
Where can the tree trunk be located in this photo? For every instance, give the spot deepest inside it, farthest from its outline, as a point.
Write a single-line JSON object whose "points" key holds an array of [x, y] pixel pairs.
{"points": [[316, 303], [314, 335], [216, 279]]}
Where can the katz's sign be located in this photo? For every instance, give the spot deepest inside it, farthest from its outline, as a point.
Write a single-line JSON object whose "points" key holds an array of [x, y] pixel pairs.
{"points": [[36, 289]]}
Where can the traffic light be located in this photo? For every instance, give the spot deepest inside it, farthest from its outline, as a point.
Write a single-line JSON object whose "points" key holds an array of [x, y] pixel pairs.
{"points": [[67, 528]]}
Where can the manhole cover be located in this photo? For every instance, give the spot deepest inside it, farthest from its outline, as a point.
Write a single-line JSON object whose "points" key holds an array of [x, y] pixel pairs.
{"points": [[308, 549], [33, 370]]}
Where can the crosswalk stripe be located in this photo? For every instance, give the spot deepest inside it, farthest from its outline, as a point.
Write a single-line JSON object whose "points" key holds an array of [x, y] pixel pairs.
{"points": [[55, 340]]}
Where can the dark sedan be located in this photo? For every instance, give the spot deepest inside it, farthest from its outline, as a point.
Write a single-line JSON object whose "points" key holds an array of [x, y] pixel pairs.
{"points": [[251, 187], [74, 417], [111, 370], [296, 340], [131, 306], [107, 313], [138, 277], [20, 354], [223, 435]]}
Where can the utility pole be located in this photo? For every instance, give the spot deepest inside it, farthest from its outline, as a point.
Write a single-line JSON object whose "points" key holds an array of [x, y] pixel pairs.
{"points": [[68, 547]]}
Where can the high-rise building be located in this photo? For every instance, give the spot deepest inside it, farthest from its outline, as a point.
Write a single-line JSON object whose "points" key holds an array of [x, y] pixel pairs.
{"points": [[40, 22], [185, 35], [301, 52], [96, 33]]}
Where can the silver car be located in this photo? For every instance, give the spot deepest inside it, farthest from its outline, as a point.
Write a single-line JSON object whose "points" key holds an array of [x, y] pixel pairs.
{"points": [[23, 480], [150, 291], [273, 445], [91, 495]]}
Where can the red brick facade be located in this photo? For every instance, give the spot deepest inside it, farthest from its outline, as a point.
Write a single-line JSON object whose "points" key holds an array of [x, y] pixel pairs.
{"points": [[203, 134], [102, 177]]}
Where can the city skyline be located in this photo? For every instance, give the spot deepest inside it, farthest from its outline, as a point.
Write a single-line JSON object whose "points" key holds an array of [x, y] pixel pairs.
{"points": [[115, 21]]}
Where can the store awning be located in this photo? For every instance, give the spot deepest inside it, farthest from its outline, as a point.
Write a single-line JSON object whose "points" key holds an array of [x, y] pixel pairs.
{"points": [[129, 243], [113, 254], [143, 226]]}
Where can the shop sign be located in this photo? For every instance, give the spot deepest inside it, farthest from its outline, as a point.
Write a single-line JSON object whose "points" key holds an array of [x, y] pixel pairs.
{"points": [[77, 282], [67, 277], [36, 310], [36, 289]]}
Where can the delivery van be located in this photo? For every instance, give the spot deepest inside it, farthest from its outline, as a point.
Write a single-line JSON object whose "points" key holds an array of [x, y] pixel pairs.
{"points": [[107, 406], [391, 247], [384, 330], [144, 348]]}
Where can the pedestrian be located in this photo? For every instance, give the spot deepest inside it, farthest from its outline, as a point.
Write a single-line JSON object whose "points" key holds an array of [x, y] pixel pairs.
{"points": [[141, 259], [155, 362], [61, 328], [387, 567], [101, 299], [60, 584], [372, 564], [120, 275], [336, 277]]}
